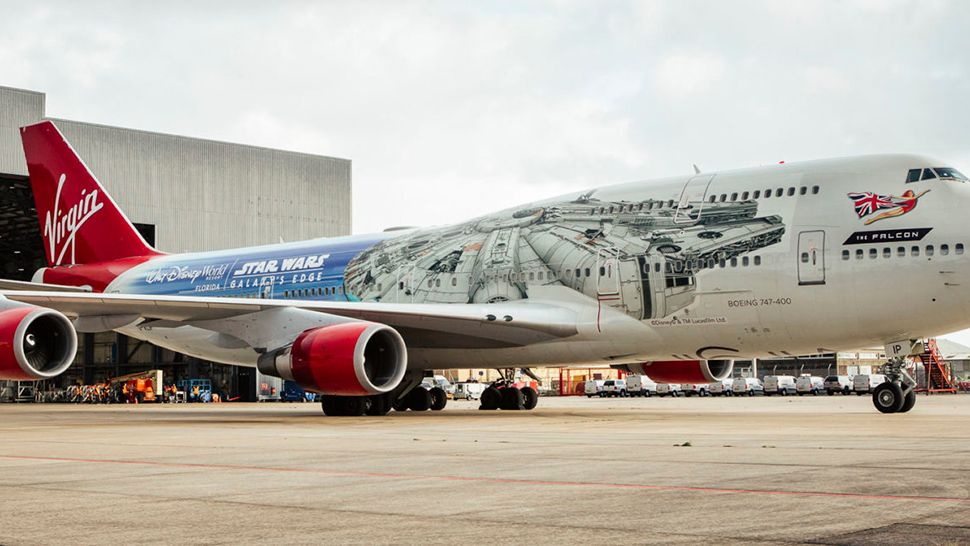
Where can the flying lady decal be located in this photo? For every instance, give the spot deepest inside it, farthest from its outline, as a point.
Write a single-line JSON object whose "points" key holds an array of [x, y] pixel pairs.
{"points": [[869, 203]]}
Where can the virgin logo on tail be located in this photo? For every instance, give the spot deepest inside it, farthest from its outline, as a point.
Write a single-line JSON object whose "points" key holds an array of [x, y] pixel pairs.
{"points": [[61, 226]]}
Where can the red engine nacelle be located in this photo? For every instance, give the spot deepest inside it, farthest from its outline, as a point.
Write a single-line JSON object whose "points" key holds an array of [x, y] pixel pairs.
{"points": [[684, 371], [346, 359], [35, 343]]}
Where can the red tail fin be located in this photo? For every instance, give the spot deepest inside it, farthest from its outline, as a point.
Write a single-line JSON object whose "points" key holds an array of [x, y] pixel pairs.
{"points": [[79, 221]]}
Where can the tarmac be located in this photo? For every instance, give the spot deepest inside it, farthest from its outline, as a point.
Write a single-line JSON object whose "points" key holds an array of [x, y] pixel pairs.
{"points": [[817, 470]]}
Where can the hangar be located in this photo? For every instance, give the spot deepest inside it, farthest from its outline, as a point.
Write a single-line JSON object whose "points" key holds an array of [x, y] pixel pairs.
{"points": [[184, 194]]}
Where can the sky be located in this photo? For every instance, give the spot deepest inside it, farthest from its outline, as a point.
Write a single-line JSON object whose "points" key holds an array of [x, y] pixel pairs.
{"points": [[454, 109]]}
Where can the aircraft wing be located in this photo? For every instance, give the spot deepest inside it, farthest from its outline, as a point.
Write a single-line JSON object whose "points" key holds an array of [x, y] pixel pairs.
{"points": [[506, 324]]}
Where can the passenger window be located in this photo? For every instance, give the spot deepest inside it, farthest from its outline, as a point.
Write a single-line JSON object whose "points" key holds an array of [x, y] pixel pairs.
{"points": [[845, 254], [815, 190], [803, 190], [887, 252], [541, 275], [873, 254], [928, 174], [429, 283], [804, 257], [901, 252], [602, 271], [723, 197], [959, 248], [744, 261], [791, 192], [734, 197], [734, 262], [913, 175], [722, 263], [858, 254], [578, 273], [779, 192], [454, 281], [400, 285], [929, 250], [656, 268], [744, 196], [532, 276], [757, 260], [768, 193], [437, 283], [944, 250], [914, 251], [712, 199], [757, 194], [587, 272]]}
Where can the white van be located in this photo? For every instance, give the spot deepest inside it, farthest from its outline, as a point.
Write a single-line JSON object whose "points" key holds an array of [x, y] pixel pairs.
{"points": [[614, 387], [809, 384], [594, 387], [747, 385], [724, 387], [700, 389], [779, 384], [673, 389], [864, 383], [838, 383], [640, 385], [469, 391]]}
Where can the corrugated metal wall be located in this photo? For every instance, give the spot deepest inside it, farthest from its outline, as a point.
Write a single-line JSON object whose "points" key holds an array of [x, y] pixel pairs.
{"points": [[200, 194], [17, 108]]}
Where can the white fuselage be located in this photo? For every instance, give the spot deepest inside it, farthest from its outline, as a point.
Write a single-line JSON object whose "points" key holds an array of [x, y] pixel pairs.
{"points": [[698, 267]]}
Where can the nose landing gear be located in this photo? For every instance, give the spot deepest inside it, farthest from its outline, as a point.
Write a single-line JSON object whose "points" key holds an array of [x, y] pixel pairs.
{"points": [[898, 394]]}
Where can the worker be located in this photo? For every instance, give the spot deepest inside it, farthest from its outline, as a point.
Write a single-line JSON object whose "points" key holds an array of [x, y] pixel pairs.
{"points": [[195, 393]]}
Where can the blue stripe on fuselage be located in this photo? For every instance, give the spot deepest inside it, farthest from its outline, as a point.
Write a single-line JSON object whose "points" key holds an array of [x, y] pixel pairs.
{"points": [[306, 270]]}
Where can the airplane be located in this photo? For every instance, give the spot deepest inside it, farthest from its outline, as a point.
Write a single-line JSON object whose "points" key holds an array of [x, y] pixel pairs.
{"points": [[675, 278]]}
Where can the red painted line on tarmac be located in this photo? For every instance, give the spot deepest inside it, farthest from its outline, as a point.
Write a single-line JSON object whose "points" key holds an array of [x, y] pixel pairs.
{"points": [[482, 479]]}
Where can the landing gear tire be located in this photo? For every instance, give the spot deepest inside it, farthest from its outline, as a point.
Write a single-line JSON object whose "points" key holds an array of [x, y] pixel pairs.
{"points": [[344, 406], [888, 397], [909, 400], [512, 399], [531, 398], [491, 399], [830, 392], [439, 399], [379, 405], [419, 399], [401, 404]]}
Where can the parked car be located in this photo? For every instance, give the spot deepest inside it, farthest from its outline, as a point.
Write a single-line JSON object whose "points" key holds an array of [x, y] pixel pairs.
{"points": [[439, 381], [837, 383], [779, 384], [640, 385], [672, 389], [593, 388], [469, 391], [809, 384], [724, 387], [614, 387], [864, 383], [700, 389], [747, 386]]}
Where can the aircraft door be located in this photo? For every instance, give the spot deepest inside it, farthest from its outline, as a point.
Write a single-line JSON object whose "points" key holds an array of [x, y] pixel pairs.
{"points": [[607, 273], [811, 258], [692, 198]]}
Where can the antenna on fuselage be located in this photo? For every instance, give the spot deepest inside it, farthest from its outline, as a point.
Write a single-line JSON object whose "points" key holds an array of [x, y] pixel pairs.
{"points": [[697, 169]]}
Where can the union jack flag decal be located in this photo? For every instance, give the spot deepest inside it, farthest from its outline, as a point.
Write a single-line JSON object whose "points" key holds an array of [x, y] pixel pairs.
{"points": [[868, 202]]}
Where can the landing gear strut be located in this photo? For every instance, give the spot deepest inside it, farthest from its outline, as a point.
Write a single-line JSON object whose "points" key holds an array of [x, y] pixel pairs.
{"points": [[503, 394], [898, 394]]}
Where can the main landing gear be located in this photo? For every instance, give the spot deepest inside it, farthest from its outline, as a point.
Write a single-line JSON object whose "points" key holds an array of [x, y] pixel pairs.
{"points": [[503, 394], [898, 394], [410, 395]]}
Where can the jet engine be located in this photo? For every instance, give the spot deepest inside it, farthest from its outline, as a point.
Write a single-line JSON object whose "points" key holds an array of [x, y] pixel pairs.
{"points": [[683, 371], [35, 343], [347, 359]]}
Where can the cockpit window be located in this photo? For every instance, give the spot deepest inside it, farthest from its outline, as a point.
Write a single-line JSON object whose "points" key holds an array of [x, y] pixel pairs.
{"points": [[913, 175], [950, 173], [928, 174]]}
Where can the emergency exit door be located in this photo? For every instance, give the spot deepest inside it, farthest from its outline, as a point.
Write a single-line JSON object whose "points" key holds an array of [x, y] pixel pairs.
{"points": [[811, 258]]}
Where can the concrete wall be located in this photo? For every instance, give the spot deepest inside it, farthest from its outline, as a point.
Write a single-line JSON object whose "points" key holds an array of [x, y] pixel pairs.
{"points": [[200, 194]]}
